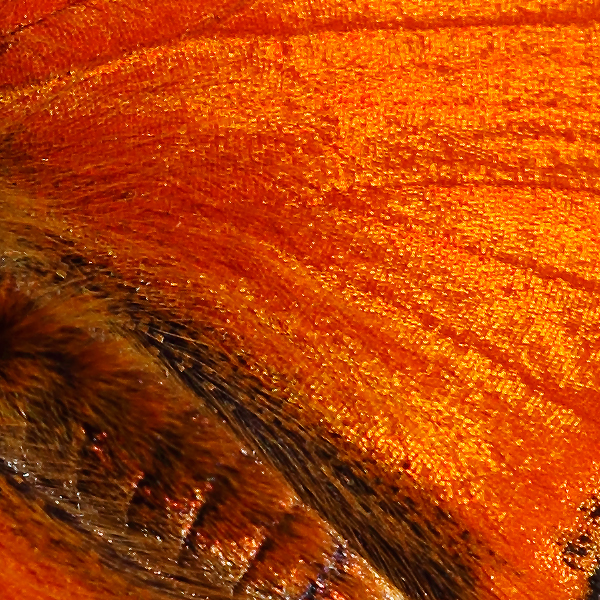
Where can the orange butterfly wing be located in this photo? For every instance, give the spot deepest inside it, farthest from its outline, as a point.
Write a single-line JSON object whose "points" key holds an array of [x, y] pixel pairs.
{"points": [[393, 212]]}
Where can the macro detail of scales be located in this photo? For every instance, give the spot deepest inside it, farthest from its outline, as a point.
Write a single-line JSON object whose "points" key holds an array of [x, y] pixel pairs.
{"points": [[362, 239]]}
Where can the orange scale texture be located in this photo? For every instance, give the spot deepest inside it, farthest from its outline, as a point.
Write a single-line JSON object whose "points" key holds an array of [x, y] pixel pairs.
{"points": [[394, 208]]}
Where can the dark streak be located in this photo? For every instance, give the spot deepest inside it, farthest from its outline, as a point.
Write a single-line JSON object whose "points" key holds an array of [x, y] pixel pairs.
{"points": [[594, 582], [319, 585]]}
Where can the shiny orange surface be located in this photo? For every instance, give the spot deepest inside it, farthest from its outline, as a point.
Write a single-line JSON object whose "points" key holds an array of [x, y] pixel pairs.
{"points": [[18, 14], [394, 211]]}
